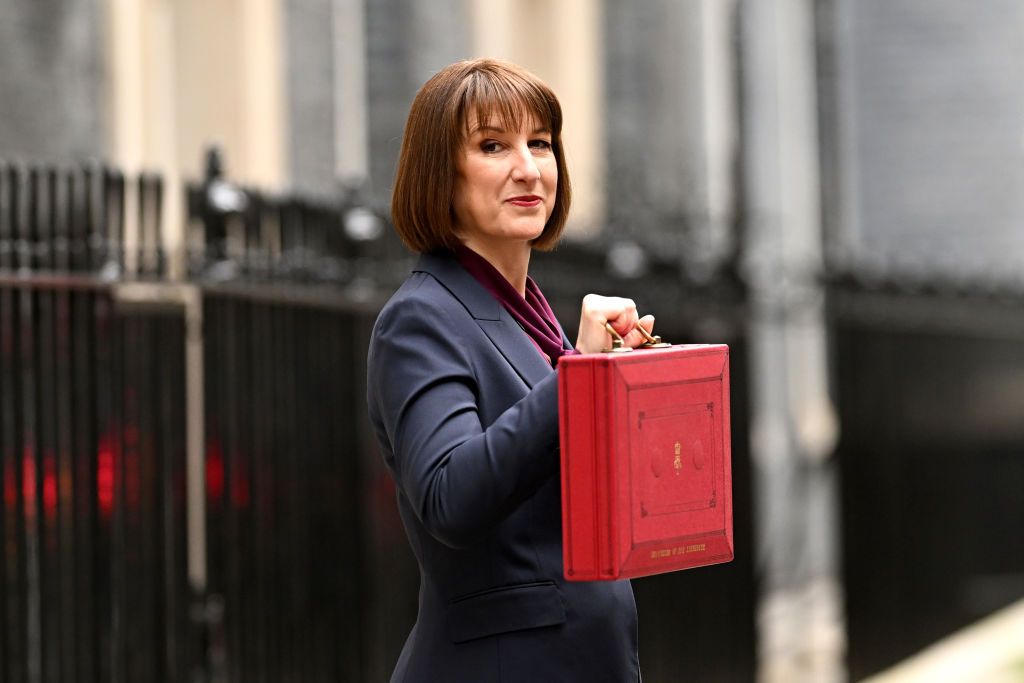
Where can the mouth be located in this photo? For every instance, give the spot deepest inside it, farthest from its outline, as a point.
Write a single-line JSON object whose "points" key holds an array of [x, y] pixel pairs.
{"points": [[526, 200]]}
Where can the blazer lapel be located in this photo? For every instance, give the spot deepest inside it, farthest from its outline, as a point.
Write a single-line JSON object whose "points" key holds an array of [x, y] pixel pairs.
{"points": [[517, 347], [503, 331]]}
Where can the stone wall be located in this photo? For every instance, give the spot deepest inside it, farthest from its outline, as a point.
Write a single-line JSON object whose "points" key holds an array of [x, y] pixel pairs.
{"points": [[52, 80], [929, 103]]}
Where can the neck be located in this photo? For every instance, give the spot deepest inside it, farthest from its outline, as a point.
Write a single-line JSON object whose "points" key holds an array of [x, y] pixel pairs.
{"points": [[512, 261]]}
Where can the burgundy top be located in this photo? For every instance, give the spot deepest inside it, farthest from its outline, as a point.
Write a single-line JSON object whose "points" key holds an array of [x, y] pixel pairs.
{"points": [[533, 313]]}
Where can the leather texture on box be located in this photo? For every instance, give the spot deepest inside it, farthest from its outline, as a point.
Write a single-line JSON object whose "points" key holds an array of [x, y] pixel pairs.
{"points": [[646, 461]]}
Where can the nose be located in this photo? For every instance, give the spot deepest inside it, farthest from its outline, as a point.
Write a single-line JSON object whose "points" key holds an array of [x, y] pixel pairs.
{"points": [[524, 166]]}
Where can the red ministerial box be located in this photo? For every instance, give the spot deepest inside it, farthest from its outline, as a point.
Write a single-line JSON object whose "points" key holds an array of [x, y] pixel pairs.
{"points": [[646, 461]]}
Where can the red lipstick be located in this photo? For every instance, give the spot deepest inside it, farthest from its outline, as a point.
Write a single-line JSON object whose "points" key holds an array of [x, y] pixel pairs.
{"points": [[526, 200]]}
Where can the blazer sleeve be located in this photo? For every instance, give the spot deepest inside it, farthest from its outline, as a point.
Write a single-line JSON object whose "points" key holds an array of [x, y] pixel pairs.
{"points": [[460, 476]]}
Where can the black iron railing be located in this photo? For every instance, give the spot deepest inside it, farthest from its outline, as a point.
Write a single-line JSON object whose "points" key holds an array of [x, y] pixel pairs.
{"points": [[99, 577]]}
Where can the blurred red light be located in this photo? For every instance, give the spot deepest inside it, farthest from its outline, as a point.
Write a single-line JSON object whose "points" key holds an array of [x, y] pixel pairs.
{"points": [[10, 484], [49, 485], [214, 471], [28, 480], [105, 476]]}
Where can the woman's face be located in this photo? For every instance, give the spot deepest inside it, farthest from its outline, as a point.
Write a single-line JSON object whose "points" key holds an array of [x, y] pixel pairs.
{"points": [[506, 184]]}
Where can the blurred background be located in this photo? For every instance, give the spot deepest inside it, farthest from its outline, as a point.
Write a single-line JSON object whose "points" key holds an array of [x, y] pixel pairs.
{"points": [[194, 243]]}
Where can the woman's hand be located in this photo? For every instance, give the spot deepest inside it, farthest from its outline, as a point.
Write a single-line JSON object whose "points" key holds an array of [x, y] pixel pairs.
{"points": [[620, 313]]}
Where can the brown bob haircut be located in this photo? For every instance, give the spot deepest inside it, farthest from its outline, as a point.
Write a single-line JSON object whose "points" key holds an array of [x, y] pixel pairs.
{"points": [[438, 125]]}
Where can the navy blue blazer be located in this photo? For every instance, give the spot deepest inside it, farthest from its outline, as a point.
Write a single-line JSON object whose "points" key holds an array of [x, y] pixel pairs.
{"points": [[466, 413]]}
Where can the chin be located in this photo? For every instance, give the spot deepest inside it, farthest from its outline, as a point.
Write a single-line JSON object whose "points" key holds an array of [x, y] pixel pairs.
{"points": [[526, 232]]}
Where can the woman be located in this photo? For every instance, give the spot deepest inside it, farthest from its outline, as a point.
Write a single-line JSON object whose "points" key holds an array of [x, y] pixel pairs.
{"points": [[462, 392]]}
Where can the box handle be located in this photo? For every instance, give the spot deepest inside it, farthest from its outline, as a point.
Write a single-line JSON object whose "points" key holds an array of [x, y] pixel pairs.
{"points": [[653, 340], [619, 346]]}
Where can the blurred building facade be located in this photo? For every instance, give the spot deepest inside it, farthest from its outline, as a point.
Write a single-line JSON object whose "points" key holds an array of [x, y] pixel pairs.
{"points": [[53, 81], [924, 129], [919, 129], [773, 141], [311, 95]]}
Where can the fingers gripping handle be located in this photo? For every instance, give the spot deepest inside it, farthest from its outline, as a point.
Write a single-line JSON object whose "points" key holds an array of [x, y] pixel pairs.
{"points": [[619, 345]]}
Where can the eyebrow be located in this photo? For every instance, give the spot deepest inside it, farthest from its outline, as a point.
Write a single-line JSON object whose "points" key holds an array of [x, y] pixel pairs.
{"points": [[497, 129]]}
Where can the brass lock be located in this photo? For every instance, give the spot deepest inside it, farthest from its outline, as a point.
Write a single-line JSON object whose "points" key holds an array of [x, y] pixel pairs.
{"points": [[619, 346]]}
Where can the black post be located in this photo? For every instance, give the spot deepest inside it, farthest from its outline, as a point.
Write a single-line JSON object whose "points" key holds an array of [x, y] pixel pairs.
{"points": [[44, 181], [64, 340], [212, 204], [84, 432], [13, 640]]}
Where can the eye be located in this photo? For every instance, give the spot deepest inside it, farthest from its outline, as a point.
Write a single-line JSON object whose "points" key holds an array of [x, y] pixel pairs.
{"points": [[540, 144], [490, 146]]}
